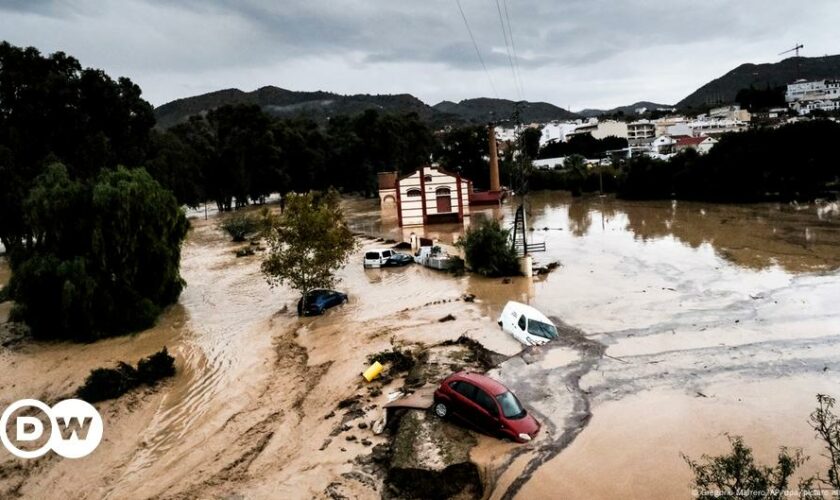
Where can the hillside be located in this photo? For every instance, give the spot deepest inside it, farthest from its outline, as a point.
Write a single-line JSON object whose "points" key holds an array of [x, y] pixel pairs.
{"points": [[723, 89], [320, 105], [287, 103], [484, 109], [627, 110]]}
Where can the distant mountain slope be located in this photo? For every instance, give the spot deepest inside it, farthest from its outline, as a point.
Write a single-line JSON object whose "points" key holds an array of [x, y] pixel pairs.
{"points": [[281, 102], [321, 105], [485, 109], [627, 110], [724, 89]]}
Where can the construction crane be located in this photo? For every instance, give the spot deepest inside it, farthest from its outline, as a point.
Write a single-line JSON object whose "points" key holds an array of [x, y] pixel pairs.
{"points": [[795, 49]]}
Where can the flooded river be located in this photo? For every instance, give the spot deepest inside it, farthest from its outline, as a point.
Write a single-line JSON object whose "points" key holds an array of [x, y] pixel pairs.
{"points": [[684, 321], [710, 318]]}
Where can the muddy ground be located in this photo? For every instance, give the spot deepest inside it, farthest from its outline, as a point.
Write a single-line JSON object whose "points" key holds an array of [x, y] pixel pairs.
{"points": [[681, 322]]}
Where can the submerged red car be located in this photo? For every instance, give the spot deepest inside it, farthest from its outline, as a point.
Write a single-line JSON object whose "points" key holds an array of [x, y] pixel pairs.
{"points": [[485, 404]]}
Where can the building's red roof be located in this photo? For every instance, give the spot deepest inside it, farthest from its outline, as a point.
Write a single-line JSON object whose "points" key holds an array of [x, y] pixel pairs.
{"points": [[690, 141]]}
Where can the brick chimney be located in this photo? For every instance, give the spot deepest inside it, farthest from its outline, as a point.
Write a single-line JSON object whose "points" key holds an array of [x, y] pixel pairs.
{"points": [[494, 159]]}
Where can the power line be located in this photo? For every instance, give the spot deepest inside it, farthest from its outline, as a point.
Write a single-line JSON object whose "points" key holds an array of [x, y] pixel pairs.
{"points": [[513, 46], [477, 52], [507, 49]]}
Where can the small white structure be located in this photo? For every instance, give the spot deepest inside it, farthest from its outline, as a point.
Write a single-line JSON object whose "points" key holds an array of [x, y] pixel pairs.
{"points": [[428, 195], [663, 144]]}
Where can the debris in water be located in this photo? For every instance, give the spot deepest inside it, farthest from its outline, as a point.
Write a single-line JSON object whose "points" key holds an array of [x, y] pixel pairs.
{"points": [[346, 403], [373, 371]]}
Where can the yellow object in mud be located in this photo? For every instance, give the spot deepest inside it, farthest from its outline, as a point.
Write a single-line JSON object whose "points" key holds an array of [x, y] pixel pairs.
{"points": [[373, 371]]}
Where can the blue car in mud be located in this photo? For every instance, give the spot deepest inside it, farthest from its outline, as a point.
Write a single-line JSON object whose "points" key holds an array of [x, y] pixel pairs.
{"points": [[319, 300]]}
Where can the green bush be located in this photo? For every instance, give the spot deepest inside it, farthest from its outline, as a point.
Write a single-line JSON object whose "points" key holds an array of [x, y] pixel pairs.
{"points": [[240, 226], [110, 383], [489, 251], [156, 367]]}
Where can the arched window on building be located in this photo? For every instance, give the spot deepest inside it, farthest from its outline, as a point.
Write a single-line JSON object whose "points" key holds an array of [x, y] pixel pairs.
{"points": [[444, 200]]}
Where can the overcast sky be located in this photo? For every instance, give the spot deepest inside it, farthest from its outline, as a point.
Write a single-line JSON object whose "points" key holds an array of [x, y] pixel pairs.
{"points": [[572, 53]]}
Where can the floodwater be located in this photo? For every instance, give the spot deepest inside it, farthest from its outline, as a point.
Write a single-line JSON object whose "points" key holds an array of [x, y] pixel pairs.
{"points": [[680, 321], [695, 320]]}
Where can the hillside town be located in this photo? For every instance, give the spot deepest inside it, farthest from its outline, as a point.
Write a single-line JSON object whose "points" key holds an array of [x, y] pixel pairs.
{"points": [[673, 132]]}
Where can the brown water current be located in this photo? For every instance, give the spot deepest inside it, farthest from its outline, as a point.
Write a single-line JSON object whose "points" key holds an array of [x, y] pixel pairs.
{"points": [[682, 321]]}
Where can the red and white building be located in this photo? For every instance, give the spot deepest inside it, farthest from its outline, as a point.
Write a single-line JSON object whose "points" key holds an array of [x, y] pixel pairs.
{"points": [[429, 195]]}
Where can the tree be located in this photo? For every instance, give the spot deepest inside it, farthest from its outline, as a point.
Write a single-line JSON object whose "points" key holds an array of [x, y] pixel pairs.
{"points": [[53, 110], [489, 251], [309, 242], [827, 425], [465, 150], [529, 142], [104, 255], [729, 476], [583, 144], [177, 167]]}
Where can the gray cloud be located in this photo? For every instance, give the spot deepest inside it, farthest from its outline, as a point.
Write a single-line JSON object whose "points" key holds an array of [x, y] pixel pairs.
{"points": [[575, 52]]}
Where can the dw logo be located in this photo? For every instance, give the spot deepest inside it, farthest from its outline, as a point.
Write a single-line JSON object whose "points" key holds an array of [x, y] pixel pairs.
{"points": [[75, 428]]}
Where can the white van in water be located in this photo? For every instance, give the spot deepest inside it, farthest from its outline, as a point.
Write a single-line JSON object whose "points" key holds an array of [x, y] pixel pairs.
{"points": [[377, 257], [526, 324]]}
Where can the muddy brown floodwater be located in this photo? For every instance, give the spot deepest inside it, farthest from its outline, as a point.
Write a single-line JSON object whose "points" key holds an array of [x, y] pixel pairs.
{"points": [[680, 322]]}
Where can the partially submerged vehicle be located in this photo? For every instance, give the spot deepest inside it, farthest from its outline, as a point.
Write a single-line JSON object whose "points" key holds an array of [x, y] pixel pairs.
{"points": [[385, 257], [435, 257], [526, 324], [485, 404], [319, 300], [377, 257], [399, 259]]}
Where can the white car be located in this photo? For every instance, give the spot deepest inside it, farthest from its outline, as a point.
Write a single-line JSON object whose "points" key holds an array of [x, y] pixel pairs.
{"points": [[526, 324], [377, 257]]}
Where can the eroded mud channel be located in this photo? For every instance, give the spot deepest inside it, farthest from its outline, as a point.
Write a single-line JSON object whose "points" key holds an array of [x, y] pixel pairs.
{"points": [[679, 322]]}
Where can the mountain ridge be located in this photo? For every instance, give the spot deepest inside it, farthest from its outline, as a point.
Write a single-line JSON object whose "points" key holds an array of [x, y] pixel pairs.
{"points": [[722, 90], [320, 105]]}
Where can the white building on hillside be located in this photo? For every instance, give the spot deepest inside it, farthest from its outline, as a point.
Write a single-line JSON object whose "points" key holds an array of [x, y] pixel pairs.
{"points": [[610, 128], [806, 96], [641, 132], [732, 112], [714, 127], [556, 132]]}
